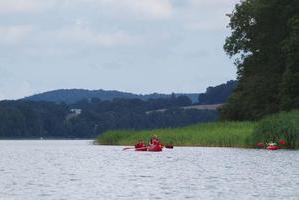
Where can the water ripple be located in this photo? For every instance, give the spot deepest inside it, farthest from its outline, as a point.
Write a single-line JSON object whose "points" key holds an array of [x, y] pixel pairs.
{"points": [[64, 170]]}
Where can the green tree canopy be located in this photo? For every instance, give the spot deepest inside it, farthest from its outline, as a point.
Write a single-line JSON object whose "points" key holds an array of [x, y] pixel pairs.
{"points": [[265, 45]]}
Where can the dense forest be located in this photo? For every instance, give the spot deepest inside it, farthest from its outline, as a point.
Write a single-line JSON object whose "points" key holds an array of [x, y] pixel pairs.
{"points": [[90, 117], [265, 44], [47, 115], [218, 94]]}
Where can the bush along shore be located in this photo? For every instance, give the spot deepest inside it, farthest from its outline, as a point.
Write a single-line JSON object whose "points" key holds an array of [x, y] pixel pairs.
{"points": [[281, 128]]}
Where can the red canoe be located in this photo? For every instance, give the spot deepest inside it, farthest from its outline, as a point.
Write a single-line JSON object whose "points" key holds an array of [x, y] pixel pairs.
{"points": [[154, 148], [272, 147], [141, 149], [150, 148]]}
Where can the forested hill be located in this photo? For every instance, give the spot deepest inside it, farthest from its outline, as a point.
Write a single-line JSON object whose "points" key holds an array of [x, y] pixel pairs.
{"points": [[70, 96], [53, 116], [218, 94], [213, 95], [89, 118]]}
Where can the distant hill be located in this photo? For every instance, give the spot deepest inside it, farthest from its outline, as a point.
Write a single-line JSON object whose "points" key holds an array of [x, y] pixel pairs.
{"points": [[87, 119], [70, 96], [218, 94], [213, 95]]}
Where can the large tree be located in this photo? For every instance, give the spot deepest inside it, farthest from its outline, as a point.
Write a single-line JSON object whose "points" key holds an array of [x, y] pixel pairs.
{"points": [[265, 45]]}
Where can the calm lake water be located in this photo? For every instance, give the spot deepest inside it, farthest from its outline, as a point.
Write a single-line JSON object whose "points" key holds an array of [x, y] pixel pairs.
{"points": [[70, 170]]}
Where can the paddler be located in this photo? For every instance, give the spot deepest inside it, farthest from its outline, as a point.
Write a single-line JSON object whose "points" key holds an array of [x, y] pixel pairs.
{"points": [[154, 140], [140, 144]]}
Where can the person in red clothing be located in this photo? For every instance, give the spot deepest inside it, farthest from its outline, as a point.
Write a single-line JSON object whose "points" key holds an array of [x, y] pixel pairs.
{"points": [[154, 140], [282, 142], [140, 144]]}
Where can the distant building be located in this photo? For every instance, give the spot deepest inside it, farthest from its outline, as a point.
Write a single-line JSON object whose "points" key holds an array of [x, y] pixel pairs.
{"points": [[76, 111], [73, 113]]}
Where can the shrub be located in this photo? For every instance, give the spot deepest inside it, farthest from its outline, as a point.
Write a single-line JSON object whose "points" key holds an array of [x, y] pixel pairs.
{"points": [[279, 127]]}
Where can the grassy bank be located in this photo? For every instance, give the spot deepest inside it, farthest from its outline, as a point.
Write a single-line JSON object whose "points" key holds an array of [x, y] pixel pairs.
{"points": [[220, 134]]}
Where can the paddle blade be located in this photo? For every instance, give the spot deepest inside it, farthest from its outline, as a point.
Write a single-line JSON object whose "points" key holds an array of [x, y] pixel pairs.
{"points": [[126, 148], [169, 146]]}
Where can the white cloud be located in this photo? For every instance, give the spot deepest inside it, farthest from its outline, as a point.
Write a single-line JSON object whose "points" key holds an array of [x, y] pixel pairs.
{"points": [[206, 15], [148, 8], [22, 88], [213, 24], [136, 9], [204, 26], [12, 35], [65, 36], [212, 3], [68, 40], [13, 6], [11, 87], [86, 36], [153, 9]]}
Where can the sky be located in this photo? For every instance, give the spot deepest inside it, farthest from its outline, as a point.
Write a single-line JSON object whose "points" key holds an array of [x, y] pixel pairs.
{"points": [[139, 46]]}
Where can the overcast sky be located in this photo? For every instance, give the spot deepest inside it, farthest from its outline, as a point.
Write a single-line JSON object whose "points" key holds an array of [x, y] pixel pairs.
{"points": [[140, 46]]}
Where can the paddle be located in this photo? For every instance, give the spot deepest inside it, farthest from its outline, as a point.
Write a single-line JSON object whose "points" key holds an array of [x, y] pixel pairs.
{"points": [[141, 148], [168, 146], [126, 148]]}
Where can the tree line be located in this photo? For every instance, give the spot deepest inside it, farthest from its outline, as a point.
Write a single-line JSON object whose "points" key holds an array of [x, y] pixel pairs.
{"points": [[28, 119], [217, 94]]}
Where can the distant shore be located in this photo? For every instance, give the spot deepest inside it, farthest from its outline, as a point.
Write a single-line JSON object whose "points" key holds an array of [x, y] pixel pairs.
{"points": [[46, 139], [218, 134], [279, 128]]}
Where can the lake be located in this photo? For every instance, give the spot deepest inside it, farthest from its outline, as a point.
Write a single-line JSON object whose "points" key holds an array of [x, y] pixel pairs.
{"points": [[77, 169]]}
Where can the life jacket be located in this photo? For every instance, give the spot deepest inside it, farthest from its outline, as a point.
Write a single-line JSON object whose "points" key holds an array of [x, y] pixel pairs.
{"points": [[139, 145], [282, 142], [155, 141]]}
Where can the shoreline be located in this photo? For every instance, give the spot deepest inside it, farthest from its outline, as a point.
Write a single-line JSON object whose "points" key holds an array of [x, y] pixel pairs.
{"points": [[174, 146], [18, 139], [217, 134]]}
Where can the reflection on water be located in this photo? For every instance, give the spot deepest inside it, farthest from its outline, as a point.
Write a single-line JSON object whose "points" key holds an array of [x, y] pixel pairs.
{"points": [[73, 170]]}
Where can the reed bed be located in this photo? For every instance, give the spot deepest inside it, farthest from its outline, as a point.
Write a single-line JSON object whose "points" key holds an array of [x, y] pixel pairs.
{"points": [[220, 134], [277, 127]]}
